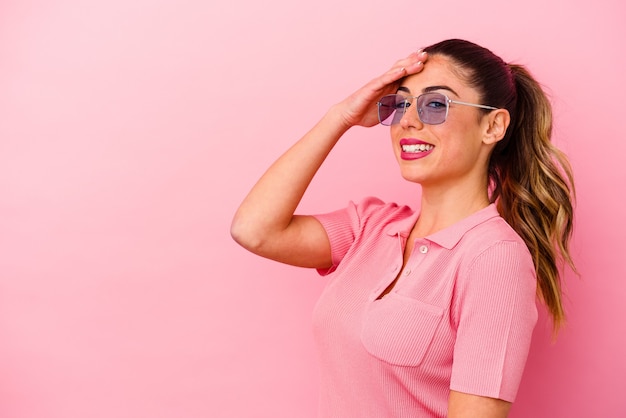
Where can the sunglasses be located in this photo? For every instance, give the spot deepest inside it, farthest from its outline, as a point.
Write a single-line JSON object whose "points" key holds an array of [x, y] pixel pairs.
{"points": [[432, 108]]}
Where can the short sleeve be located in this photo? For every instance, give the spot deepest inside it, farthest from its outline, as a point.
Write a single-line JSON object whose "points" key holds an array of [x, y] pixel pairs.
{"points": [[344, 226], [495, 310]]}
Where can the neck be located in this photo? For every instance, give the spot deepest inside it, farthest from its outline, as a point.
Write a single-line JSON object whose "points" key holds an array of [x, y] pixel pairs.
{"points": [[441, 209]]}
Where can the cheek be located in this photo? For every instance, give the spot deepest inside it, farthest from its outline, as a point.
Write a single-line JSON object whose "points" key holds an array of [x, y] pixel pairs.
{"points": [[461, 142], [395, 134], [465, 128]]}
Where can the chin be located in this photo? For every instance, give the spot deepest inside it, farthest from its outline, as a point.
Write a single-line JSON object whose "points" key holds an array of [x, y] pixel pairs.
{"points": [[412, 177]]}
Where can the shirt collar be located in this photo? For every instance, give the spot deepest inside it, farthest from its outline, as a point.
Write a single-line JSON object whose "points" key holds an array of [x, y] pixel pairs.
{"points": [[447, 237]]}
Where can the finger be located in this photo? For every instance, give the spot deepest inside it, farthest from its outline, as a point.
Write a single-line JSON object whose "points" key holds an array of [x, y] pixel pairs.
{"points": [[408, 66], [414, 67], [390, 77], [418, 56], [412, 64]]}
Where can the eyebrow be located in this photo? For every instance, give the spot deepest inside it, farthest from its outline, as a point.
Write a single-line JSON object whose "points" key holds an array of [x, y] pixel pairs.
{"points": [[429, 89]]}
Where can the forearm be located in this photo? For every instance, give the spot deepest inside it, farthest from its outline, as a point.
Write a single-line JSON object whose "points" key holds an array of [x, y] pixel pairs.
{"points": [[269, 207], [463, 405]]}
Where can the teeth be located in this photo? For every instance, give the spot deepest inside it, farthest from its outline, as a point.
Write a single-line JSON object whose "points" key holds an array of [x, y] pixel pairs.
{"points": [[417, 148]]}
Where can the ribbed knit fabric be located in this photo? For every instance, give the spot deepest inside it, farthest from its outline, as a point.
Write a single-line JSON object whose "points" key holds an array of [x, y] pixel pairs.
{"points": [[460, 317]]}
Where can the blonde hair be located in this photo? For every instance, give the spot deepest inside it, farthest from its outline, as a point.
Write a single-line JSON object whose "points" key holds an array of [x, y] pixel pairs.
{"points": [[534, 188]]}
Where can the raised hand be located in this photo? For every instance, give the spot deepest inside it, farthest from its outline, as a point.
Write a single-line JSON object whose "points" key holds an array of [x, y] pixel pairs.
{"points": [[360, 107]]}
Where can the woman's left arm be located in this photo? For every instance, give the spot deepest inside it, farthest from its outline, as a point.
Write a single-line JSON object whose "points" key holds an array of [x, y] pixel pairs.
{"points": [[464, 405]]}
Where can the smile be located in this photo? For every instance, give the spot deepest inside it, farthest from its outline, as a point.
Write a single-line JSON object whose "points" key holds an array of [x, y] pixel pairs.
{"points": [[417, 147]]}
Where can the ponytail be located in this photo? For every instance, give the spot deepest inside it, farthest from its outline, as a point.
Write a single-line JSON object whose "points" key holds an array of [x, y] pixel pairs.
{"points": [[533, 186]]}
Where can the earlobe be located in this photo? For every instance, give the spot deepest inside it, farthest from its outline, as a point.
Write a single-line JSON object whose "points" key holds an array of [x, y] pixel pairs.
{"points": [[498, 120]]}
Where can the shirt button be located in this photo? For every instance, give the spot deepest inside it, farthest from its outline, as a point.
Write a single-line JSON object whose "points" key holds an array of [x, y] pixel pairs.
{"points": [[423, 249], [407, 272]]}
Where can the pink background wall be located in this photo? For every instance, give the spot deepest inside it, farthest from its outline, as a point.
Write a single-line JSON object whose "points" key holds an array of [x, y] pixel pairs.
{"points": [[130, 131]]}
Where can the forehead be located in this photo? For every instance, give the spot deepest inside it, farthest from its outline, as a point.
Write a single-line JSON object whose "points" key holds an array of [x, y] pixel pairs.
{"points": [[439, 70]]}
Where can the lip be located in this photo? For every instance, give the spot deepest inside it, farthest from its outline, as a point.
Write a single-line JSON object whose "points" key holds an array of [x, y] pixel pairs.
{"points": [[413, 155], [412, 141]]}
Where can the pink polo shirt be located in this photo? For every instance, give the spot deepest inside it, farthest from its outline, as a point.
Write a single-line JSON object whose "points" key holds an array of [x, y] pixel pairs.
{"points": [[460, 317]]}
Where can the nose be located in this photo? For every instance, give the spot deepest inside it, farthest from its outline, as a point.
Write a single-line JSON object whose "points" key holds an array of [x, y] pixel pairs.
{"points": [[411, 116]]}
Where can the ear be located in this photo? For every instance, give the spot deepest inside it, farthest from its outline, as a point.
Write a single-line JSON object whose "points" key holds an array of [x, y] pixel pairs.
{"points": [[497, 121]]}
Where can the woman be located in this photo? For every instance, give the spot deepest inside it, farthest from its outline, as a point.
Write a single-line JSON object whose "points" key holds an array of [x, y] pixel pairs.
{"points": [[429, 313]]}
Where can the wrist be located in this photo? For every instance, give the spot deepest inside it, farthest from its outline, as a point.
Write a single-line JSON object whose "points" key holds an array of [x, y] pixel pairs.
{"points": [[338, 115]]}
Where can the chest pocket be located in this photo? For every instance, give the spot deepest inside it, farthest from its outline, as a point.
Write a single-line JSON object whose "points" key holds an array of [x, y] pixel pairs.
{"points": [[399, 330]]}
